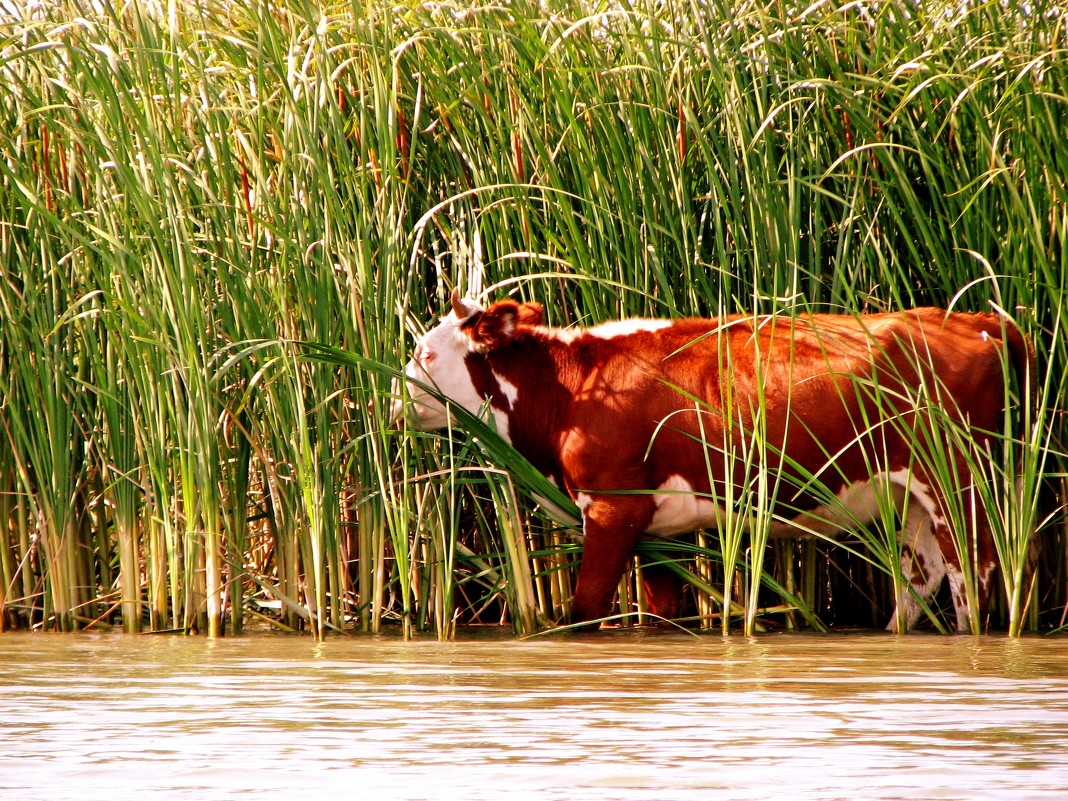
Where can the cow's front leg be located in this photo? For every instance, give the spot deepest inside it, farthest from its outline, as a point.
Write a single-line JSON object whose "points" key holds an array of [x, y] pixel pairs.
{"points": [[611, 527]]}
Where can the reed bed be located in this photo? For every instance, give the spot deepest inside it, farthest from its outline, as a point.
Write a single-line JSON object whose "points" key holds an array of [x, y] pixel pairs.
{"points": [[221, 225]]}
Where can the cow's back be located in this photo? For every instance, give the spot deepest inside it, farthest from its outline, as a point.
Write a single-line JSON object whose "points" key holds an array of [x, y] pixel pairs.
{"points": [[652, 404]]}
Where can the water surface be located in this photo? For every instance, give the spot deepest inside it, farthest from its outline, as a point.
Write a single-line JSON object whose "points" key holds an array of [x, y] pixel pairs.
{"points": [[621, 715]]}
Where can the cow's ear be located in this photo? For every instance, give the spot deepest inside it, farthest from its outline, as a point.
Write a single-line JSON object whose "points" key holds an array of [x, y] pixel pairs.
{"points": [[530, 314], [494, 327]]}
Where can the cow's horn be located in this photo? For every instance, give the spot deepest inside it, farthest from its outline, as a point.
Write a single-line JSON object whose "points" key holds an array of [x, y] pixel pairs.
{"points": [[459, 308]]}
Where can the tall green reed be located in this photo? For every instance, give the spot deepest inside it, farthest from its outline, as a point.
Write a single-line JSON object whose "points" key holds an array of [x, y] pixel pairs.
{"points": [[183, 196]]}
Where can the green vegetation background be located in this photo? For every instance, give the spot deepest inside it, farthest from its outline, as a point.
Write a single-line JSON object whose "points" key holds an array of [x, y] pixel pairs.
{"points": [[188, 189]]}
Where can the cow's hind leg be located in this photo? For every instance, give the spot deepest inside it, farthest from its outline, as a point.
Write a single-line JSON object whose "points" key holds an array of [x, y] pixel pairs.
{"points": [[611, 526], [922, 567], [984, 569], [663, 590], [982, 557]]}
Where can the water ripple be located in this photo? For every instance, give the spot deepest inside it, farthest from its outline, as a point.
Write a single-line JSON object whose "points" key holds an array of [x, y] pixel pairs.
{"points": [[620, 717]]}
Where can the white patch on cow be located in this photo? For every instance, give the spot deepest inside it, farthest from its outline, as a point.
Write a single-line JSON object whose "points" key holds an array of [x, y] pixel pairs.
{"points": [[622, 328], [566, 335], [502, 418], [859, 502], [510, 390], [855, 505], [609, 330], [439, 361], [921, 493], [583, 501], [680, 510]]}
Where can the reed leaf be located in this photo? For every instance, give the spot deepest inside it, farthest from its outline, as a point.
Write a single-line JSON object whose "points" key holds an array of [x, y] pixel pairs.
{"points": [[185, 195]]}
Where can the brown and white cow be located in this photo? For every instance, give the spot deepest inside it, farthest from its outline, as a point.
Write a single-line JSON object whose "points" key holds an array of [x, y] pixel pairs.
{"points": [[634, 419]]}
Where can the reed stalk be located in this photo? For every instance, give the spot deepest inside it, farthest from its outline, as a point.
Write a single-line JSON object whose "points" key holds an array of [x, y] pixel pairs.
{"points": [[186, 194]]}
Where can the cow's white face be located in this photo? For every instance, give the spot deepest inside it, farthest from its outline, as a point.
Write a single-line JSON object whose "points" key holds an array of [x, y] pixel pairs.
{"points": [[439, 362]]}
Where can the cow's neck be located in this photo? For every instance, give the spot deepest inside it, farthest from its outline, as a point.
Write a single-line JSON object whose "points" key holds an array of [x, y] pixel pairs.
{"points": [[524, 382]]}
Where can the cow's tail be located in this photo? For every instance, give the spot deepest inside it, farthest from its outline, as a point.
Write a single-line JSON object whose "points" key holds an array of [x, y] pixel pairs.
{"points": [[1022, 358], [1020, 351]]}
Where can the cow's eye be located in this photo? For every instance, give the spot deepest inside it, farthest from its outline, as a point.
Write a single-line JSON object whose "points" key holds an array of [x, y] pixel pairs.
{"points": [[424, 355]]}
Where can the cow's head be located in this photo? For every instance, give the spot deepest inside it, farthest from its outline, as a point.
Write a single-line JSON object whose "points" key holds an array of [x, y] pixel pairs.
{"points": [[442, 354]]}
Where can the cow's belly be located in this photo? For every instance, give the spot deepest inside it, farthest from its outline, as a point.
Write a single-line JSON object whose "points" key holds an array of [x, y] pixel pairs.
{"points": [[680, 510]]}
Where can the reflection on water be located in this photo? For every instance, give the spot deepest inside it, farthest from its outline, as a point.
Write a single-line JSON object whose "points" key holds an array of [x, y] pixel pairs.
{"points": [[617, 716]]}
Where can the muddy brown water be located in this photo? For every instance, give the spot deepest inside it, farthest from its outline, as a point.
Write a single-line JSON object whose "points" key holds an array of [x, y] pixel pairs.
{"points": [[622, 715]]}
